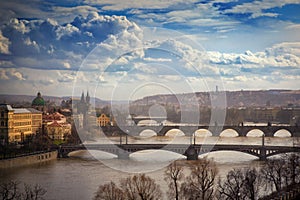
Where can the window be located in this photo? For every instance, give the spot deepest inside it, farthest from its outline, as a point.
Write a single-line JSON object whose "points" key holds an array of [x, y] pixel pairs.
{"points": [[2, 123], [2, 114]]}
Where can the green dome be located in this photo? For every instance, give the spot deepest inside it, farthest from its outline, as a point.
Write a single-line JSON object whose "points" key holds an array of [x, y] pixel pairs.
{"points": [[38, 101]]}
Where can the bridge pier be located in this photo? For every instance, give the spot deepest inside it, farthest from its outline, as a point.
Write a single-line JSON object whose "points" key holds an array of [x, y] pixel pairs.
{"points": [[123, 154], [191, 153], [263, 154]]}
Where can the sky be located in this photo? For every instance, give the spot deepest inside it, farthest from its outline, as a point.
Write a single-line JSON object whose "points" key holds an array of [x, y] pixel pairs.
{"points": [[123, 50]]}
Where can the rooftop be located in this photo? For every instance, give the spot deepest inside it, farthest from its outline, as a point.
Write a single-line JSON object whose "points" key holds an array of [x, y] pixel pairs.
{"points": [[25, 110], [6, 106]]}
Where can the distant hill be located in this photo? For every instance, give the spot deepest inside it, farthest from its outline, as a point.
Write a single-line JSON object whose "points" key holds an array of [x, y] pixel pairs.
{"points": [[255, 98]]}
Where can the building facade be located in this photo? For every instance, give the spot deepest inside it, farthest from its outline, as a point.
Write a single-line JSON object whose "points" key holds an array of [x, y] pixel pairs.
{"points": [[56, 126], [58, 131], [103, 120], [18, 124]]}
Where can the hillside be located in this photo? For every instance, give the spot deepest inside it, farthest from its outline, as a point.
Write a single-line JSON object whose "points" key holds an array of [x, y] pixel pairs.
{"points": [[257, 98]]}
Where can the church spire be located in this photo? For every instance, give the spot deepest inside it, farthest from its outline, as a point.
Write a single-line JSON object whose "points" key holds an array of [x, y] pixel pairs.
{"points": [[87, 97], [82, 97]]}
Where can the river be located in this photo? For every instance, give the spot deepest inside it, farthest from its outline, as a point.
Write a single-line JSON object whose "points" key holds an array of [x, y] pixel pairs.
{"points": [[79, 176]]}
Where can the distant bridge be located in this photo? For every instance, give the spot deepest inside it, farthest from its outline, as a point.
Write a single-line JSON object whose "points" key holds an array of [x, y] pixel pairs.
{"points": [[161, 130], [190, 151]]}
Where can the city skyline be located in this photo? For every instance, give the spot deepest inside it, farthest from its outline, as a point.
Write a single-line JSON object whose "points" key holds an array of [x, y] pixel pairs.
{"points": [[127, 50]]}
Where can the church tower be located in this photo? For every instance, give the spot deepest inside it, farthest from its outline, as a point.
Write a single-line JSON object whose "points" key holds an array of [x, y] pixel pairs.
{"points": [[82, 98], [88, 98]]}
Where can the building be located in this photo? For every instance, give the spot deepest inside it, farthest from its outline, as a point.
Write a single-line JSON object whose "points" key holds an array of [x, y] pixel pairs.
{"points": [[18, 124], [83, 114], [103, 120], [38, 103], [50, 118], [58, 131], [56, 126]]}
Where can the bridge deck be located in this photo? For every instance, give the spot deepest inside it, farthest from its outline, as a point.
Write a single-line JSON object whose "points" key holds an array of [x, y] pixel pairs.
{"points": [[259, 151]]}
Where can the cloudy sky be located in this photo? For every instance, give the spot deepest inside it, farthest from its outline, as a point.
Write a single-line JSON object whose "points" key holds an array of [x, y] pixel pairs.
{"points": [[128, 49]]}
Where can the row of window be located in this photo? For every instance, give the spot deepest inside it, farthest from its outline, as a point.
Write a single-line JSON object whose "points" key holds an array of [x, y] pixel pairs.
{"points": [[22, 116], [36, 117], [22, 130], [22, 123]]}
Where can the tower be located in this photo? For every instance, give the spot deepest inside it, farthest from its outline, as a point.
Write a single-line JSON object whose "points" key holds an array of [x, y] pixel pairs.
{"points": [[39, 103], [82, 98], [87, 99]]}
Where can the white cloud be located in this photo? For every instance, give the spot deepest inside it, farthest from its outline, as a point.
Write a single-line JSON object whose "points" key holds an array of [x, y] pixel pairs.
{"points": [[67, 65], [145, 4], [279, 55], [157, 59], [256, 8], [11, 73], [67, 30], [45, 44], [4, 44]]}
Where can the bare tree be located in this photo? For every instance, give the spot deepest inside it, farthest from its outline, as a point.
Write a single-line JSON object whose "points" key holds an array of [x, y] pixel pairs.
{"points": [[273, 173], [9, 191], [232, 187], [200, 183], [251, 183], [33, 193], [174, 175], [140, 187], [292, 168], [109, 191]]}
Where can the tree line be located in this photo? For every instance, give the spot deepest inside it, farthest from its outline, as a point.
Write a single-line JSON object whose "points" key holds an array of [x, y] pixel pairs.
{"points": [[12, 191], [200, 180]]}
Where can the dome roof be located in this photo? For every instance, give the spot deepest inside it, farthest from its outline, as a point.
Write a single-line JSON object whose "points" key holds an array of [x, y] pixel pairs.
{"points": [[38, 101]]}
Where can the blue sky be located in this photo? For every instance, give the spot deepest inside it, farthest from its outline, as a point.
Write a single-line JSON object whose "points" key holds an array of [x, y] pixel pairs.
{"points": [[114, 47]]}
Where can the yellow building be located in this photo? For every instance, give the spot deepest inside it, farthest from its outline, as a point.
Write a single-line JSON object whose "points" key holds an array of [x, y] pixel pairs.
{"points": [[103, 120], [16, 124]]}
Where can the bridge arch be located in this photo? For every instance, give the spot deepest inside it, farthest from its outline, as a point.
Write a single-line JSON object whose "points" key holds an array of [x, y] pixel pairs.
{"points": [[229, 133], [147, 133], [91, 154], [255, 133], [203, 133], [174, 132], [229, 155], [282, 133], [147, 122]]}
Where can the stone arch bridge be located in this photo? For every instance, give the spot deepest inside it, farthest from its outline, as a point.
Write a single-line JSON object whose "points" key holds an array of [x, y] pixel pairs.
{"points": [[190, 151], [161, 130]]}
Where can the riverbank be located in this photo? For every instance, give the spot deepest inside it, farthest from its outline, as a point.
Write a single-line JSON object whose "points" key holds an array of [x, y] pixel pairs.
{"points": [[28, 159]]}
